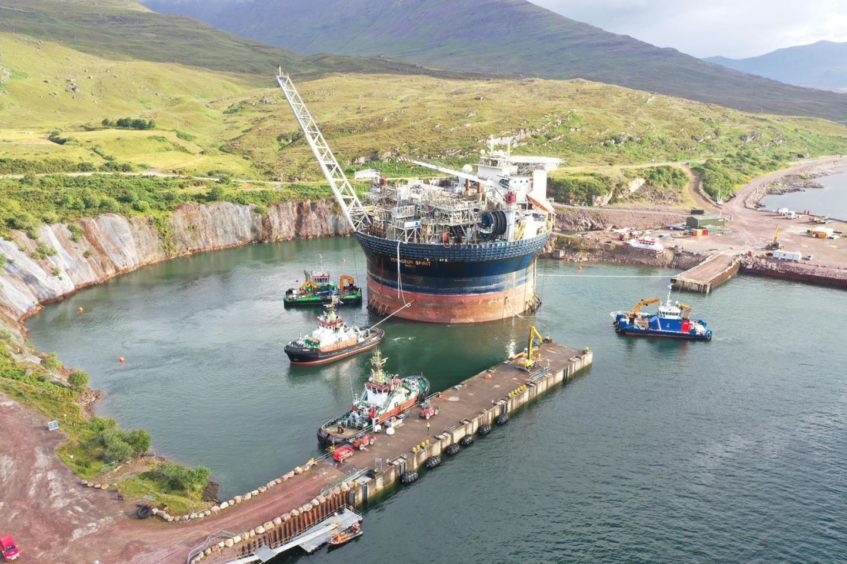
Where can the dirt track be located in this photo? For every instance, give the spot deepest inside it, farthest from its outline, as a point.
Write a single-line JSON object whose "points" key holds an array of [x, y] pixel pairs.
{"points": [[55, 519]]}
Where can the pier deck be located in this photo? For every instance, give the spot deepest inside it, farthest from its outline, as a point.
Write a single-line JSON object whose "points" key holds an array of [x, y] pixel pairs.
{"points": [[707, 275], [480, 401]]}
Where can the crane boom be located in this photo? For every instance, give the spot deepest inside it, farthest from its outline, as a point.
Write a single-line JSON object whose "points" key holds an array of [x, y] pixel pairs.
{"points": [[354, 212]]}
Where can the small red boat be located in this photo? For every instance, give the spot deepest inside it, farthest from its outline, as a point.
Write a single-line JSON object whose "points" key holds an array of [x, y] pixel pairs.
{"points": [[345, 536]]}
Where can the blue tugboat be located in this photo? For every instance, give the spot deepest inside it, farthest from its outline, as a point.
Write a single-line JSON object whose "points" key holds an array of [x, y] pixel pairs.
{"points": [[671, 321]]}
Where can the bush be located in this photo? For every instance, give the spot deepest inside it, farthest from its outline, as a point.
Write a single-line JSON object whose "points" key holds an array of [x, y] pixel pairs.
{"points": [[51, 362], [78, 379], [116, 445], [180, 478], [76, 232]]}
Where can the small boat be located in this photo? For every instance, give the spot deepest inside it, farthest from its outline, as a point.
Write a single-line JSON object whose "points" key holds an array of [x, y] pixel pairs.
{"points": [[345, 536], [317, 290], [670, 321], [646, 243], [384, 396], [332, 340]]}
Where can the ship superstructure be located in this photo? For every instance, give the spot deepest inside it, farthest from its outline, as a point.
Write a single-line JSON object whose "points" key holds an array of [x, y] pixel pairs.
{"points": [[459, 248]]}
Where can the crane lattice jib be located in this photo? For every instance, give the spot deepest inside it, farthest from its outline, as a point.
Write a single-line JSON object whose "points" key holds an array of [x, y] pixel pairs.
{"points": [[353, 210]]}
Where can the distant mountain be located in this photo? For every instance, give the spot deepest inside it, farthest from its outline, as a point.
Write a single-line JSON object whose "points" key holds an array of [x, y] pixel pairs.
{"points": [[506, 37], [127, 29], [819, 65]]}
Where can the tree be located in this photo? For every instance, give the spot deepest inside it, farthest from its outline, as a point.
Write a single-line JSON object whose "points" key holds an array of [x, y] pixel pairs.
{"points": [[139, 440]]}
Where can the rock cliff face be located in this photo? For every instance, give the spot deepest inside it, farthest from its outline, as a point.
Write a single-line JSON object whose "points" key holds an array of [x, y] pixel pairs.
{"points": [[109, 245]]}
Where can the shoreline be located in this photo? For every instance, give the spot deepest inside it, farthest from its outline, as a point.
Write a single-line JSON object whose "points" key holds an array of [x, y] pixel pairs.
{"points": [[221, 234]]}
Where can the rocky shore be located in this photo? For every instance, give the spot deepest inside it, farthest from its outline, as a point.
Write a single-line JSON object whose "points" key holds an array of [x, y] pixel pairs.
{"points": [[61, 261]]}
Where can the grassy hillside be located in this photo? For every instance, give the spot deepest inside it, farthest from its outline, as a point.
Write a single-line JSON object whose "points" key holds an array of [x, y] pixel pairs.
{"points": [[124, 29], [512, 37], [207, 122]]}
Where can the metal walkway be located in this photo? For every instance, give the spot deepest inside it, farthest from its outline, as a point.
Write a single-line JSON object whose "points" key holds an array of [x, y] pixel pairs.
{"points": [[309, 540]]}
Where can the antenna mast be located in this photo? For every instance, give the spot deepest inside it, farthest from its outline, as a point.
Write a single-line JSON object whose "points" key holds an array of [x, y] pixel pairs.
{"points": [[353, 210]]}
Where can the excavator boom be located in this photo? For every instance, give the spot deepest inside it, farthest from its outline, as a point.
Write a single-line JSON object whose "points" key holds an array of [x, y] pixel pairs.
{"points": [[644, 303]]}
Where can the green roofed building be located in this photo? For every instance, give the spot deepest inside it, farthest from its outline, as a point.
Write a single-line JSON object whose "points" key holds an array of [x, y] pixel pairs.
{"points": [[710, 221]]}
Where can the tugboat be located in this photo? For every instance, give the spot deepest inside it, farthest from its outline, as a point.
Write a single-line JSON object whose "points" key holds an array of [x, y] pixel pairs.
{"points": [[384, 396], [332, 340], [670, 321], [318, 290]]}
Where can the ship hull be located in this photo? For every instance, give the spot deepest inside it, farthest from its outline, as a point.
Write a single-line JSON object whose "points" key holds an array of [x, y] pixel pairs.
{"points": [[452, 283], [306, 356]]}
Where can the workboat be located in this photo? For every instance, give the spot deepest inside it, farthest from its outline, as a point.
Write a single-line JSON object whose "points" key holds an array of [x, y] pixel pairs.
{"points": [[384, 396], [317, 290], [345, 536], [332, 340], [670, 321]]}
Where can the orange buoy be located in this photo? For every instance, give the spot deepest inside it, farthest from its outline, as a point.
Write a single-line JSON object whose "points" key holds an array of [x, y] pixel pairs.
{"points": [[122, 360], [80, 309]]}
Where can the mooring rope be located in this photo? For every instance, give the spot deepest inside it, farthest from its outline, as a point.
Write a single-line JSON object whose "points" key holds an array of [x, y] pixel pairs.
{"points": [[395, 312]]}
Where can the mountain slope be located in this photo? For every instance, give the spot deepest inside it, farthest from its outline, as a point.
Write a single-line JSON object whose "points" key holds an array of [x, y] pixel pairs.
{"points": [[819, 65], [124, 29], [512, 37]]}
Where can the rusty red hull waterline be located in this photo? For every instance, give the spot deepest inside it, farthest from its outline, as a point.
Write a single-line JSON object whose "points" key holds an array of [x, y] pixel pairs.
{"points": [[451, 284]]}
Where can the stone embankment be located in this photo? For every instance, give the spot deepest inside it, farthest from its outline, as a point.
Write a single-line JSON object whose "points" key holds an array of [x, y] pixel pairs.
{"points": [[63, 260], [572, 218], [818, 275]]}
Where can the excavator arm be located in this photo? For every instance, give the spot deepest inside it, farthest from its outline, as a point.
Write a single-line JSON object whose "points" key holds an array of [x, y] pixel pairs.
{"points": [[644, 303], [526, 360], [346, 278]]}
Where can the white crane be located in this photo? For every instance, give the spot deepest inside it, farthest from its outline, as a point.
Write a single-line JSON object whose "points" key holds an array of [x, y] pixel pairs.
{"points": [[354, 212]]}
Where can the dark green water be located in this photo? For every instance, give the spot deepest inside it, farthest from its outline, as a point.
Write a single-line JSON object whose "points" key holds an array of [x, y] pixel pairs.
{"points": [[729, 450]]}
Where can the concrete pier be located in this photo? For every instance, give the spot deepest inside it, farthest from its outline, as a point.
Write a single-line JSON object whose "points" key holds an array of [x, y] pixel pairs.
{"points": [[707, 275], [474, 407]]}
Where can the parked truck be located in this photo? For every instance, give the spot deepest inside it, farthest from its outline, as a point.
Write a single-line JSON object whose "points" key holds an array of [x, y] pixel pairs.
{"points": [[787, 255]]}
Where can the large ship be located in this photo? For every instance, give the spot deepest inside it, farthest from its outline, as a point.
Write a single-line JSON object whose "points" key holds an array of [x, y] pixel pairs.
{"points": [[458, 249], [385, 396]]}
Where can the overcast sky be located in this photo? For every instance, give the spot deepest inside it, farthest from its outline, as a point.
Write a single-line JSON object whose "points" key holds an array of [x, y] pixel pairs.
{"points": [[733, 28]]}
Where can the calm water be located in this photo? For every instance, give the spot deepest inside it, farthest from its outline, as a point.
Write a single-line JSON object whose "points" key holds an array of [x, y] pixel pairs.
{"points": [[729, 450], [831, 200]]}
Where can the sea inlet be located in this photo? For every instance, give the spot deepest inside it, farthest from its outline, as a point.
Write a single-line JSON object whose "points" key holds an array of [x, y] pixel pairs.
{"points": [[729, 450]]}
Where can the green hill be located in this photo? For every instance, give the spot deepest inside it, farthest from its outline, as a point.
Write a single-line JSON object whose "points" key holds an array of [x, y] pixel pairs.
{"points": [[819, 65], [126, 30], [505, 37]]}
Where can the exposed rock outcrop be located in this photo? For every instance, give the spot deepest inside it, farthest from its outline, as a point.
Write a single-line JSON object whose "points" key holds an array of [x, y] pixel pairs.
{"points": [[109, 245]]}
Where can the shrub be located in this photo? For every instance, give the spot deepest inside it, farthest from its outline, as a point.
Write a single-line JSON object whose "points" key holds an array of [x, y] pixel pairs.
{"points": [[78, 379], [76, 232], [51, 362], [180, 478]]}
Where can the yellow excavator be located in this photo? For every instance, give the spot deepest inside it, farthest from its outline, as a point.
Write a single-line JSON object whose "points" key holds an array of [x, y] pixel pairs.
{"points": [[774, 245], [527, 359]]}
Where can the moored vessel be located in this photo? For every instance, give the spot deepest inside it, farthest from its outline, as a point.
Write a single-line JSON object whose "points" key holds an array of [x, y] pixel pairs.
{"points": [[384, 396], [345, 536], [332, 340], [670, 321], [317, 290], [461, 249]]}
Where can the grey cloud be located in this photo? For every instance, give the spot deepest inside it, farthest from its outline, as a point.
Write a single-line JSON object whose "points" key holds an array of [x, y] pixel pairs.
{"points": [[733, 28]]}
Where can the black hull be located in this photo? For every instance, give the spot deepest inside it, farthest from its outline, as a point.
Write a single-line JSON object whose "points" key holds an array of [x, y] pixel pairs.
{"points": [[311, 357]]}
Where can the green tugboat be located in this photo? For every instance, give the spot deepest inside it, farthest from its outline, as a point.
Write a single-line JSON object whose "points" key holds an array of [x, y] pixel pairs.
{"points": [[317, 290]]}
